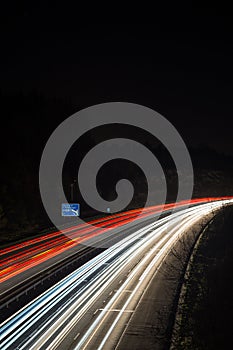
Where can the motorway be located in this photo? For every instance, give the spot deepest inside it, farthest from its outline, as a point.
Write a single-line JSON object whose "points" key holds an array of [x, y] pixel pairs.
{"points": [[20, 257], [23, 264], [89, 308]]}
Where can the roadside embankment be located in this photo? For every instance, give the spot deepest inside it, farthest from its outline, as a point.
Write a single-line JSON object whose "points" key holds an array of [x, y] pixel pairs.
{"points": [[204, 315]]}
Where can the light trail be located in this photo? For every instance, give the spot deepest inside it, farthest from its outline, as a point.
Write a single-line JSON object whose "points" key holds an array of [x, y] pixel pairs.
{"points": [[23, 256], [46, 321]]}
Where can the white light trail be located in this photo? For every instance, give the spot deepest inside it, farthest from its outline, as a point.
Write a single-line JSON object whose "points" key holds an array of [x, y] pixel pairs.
{"points": [[72, 297]]}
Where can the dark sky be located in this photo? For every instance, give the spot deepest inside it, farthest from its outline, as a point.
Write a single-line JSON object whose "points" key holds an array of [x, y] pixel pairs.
{"points": [[181, 66]]}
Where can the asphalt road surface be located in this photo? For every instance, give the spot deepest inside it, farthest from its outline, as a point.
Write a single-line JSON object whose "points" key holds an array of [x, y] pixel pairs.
{"points": [[93, 307]]}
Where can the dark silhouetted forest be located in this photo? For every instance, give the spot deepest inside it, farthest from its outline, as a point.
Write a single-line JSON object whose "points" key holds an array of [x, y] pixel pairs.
{"points": [[27, 122]]}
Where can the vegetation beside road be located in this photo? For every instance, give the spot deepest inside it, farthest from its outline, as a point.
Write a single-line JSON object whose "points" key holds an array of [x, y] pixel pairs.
{"points": [[206, 309], [21, 210]]}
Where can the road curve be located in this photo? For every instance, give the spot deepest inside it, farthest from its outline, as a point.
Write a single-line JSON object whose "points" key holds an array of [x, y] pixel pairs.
{"points": [[70, 315]]}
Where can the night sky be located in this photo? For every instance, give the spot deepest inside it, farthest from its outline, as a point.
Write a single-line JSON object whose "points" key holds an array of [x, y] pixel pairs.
{"points": [[181, 66], [57, 61]]}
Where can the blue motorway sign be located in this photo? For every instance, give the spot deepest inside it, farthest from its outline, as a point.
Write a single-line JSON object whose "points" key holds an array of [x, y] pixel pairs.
{"points": [[70, 209]]}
